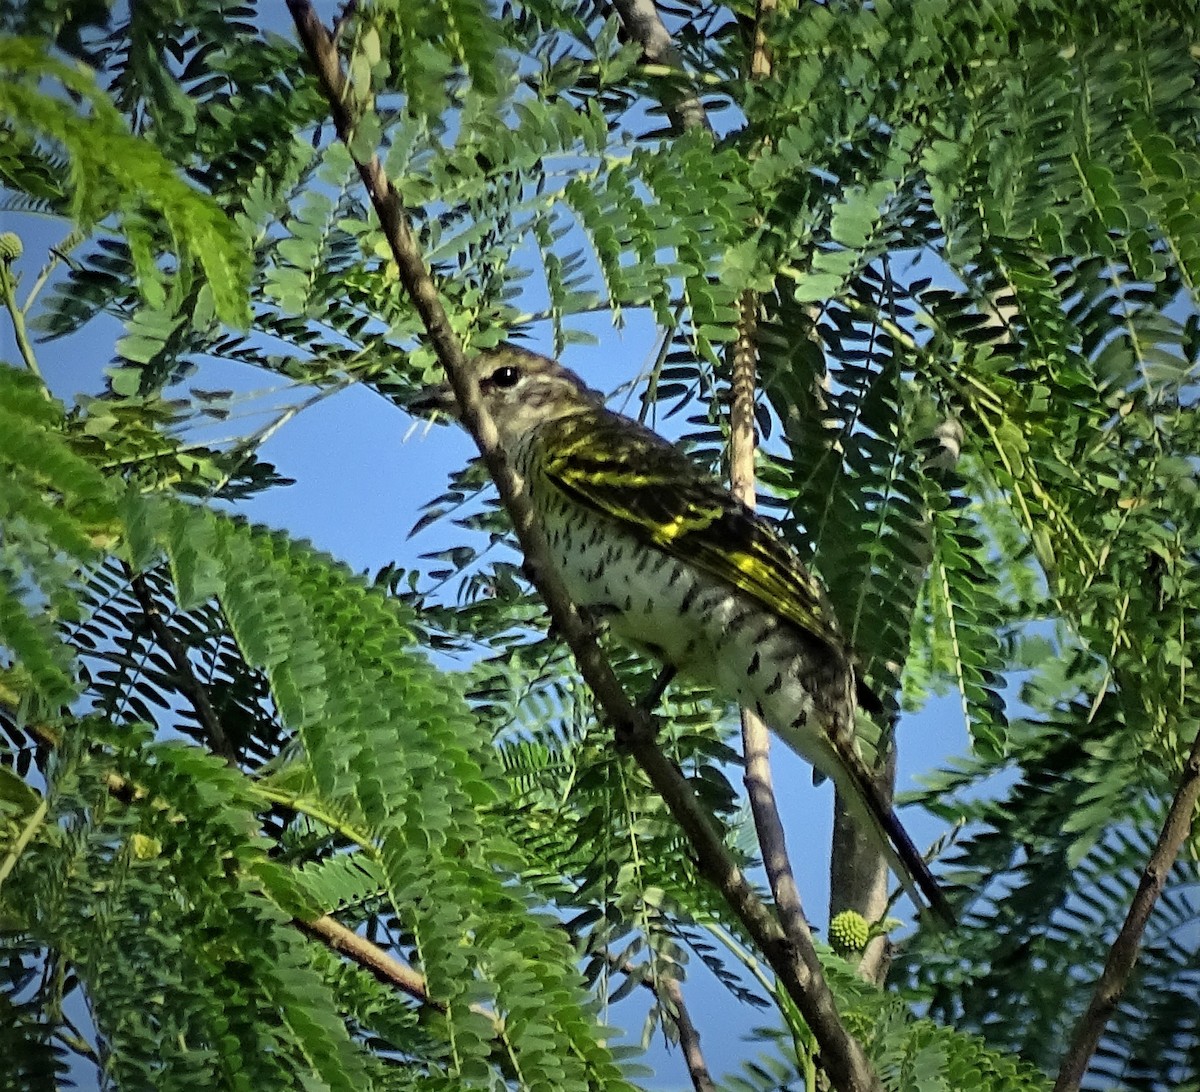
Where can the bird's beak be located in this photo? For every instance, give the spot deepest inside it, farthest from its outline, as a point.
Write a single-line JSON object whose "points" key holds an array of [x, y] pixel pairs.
{"points": [[434, 399]]}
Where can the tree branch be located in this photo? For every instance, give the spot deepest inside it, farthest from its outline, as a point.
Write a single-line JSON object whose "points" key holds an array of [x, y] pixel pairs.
{"points": [[326, 929], [387, 968], [392, 972], [689, 1039], [1124, 952], [796, 964], [756, 739], [677, 1010], [644, 25]]}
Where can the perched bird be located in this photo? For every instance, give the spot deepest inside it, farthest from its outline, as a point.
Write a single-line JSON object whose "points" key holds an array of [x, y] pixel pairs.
{"points": [[679, 568]]}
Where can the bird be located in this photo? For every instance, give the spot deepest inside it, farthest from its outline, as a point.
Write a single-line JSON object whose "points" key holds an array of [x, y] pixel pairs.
{"points": [[659, 549]]}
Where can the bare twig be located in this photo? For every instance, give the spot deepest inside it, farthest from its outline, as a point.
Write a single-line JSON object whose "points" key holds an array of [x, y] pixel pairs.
{"points": [[644, 25], [1123, 954], [193, 689], [796, 964], [676, 1008], [393, 972], [387, 968], [756, 738], [689, 1039]]}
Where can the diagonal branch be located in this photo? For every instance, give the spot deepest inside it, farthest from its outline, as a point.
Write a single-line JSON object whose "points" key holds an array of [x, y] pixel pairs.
{"points": [[796, 964], [756, 739], [393, 972], [644, 25], [328, 930], [1124, 952], [386, 967], [689, 1038], [669, 989]]}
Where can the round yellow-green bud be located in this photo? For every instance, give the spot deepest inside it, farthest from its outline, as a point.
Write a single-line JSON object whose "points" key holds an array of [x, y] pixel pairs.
{"points": [[849, 932], [144, 847], [11, 247]]}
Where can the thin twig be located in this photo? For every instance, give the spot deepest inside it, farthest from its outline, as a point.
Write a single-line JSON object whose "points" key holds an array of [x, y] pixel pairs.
{"points": [[387, 968], [1124, 951], [393, 972], [756, 739], [689, 1038], [796, 964], [191, 687], [760, 55], [32, 825], [677, 1010], [57, 254]]}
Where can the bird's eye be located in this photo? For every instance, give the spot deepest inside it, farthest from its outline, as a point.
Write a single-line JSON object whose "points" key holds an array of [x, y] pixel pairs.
{"points": [[505, 377]]}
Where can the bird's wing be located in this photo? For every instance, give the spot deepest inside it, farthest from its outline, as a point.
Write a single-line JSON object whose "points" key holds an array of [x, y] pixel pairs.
{"points": [[630, 474]]}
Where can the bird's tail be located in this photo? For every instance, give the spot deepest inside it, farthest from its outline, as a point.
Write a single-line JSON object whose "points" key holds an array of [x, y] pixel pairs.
{"points": [[841, 762], [872, 809]]}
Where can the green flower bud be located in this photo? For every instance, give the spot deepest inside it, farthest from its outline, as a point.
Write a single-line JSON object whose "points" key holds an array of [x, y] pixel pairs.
{"points": [[11, 247], [849, 932]]}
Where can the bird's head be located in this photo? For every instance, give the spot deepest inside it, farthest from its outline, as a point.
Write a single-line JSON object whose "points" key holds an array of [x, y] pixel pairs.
{"points": [[520, 389]]}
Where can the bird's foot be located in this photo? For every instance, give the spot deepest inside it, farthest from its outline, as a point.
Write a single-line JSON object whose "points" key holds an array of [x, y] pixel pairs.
{"points": [[643, 730], [657, 689]]}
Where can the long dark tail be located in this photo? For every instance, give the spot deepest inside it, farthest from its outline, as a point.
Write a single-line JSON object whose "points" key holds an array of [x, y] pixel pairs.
{"points": [[858, 788]]}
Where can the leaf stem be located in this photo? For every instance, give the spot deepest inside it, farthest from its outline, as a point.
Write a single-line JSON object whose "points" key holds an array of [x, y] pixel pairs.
{"points": [[8, 289], [32, 825]]}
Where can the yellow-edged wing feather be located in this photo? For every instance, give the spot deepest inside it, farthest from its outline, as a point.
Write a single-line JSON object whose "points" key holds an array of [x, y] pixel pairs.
{"points": [[630, 474]]}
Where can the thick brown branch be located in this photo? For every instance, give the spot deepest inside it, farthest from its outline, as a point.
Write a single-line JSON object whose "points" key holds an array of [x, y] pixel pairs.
{"points": [[1124, 952], [418, 283], [795, 964], [192, 688], [644, 25]]}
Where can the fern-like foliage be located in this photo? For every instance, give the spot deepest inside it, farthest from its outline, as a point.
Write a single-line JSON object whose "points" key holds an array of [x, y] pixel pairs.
{"points": [[113, 172], [974, 237], [54, 505], [386, 747]]}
